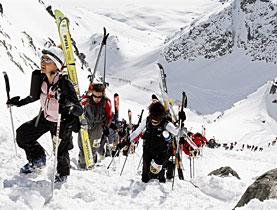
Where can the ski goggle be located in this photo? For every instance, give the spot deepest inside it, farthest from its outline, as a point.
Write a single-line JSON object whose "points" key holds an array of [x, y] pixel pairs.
{"points": [[154, 121], [47, 52], [95, 96], [46, 60]]}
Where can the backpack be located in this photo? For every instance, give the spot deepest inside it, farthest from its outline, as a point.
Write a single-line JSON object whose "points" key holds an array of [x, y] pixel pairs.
{"points": [[95, 113]]}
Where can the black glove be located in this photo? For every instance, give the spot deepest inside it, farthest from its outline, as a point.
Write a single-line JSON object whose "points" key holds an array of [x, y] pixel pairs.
{"points": [[182, 140], [113, 126], [75, 110], [13, 101], [182, 115], [106, 131], [71, 109], [119, 146], [16, 102], [123, 144]]}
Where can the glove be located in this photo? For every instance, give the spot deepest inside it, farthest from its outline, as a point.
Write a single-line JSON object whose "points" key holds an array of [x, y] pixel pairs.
{"points": [[71, 109], [123, 144], [132, 148], [182, 115], [182, 140], [113, 126], [13, 101], [119, 146], [75, 110], [106, 131]]}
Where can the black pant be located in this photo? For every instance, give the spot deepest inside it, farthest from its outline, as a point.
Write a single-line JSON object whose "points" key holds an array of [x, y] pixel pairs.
{"points": [[27, 135], [160, 158]]}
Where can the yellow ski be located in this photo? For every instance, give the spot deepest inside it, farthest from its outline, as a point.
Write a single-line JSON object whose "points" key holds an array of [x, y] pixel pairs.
{"points": [[63, 29]]}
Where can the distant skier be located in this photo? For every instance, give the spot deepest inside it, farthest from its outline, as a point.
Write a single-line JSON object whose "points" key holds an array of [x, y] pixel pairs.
{"points": [[98, 112], [157, 133], [46, 84]]}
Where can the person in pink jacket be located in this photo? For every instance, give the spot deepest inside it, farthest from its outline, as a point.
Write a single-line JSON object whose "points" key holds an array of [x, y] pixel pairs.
{"points": [[56, 95]]}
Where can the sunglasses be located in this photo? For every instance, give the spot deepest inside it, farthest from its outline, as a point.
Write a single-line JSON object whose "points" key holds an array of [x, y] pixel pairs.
{"points": [[95, 96], [46, 60]]}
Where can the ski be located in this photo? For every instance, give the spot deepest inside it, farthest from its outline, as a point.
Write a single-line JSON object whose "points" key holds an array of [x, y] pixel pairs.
{"points": [[178, 160], [116, 106], [164, 92], [103, 44], [190, 141], [273, 87], [65, 38], [130, 119]]}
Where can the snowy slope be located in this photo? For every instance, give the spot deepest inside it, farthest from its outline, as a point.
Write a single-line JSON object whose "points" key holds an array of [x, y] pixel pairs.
{"points": [[138, 29], [102, 188]]}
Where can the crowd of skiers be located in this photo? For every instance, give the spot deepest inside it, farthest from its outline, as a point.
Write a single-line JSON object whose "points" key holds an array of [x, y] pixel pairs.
{"points": [[58, 99]]}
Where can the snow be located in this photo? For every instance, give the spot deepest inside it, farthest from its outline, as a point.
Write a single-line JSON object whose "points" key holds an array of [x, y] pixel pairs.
{"points": [[138, 29]]}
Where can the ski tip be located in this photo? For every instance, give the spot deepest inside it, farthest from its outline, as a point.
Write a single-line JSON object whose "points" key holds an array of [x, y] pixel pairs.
{"points": [[154, 97], [160, 65]]}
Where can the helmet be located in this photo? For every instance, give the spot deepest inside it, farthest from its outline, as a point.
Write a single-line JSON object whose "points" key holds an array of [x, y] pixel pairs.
{"points": [[96, 85], [156, 111], [56, 55], [97, 80]]}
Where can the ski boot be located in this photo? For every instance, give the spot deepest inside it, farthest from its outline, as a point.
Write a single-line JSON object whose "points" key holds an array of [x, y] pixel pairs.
{"points": [[32, 165]]}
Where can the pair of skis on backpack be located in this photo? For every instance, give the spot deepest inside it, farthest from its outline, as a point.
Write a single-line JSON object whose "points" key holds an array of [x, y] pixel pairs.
{"points": [[182, 133]]}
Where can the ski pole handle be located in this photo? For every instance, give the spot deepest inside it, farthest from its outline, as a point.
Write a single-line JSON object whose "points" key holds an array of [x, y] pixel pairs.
{"points": [[7, 84]]}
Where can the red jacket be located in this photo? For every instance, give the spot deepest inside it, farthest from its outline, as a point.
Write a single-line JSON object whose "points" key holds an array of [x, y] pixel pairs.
{"points": [[198, 139]]}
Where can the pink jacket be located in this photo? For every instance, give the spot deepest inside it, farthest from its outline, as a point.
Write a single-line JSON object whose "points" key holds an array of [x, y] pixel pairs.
{"points": [[49, 103]]}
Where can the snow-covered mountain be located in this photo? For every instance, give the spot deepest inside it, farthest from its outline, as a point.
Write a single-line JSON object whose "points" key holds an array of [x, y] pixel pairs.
{"points": [[222, 50], [220, 32], [223, 57]]}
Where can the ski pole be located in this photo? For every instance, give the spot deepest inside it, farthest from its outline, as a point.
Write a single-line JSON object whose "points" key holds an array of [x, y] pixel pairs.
{"points": [[190, 167], [105, 59], [10, 108], [103, 43], [125, 160], [56, 142], [139, 162], [117, 151], [37, 120], [193, 174]]}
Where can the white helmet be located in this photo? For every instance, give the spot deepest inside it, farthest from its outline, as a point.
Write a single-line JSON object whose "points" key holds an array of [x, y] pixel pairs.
{"points": [[97, 80], [56, 55]]}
